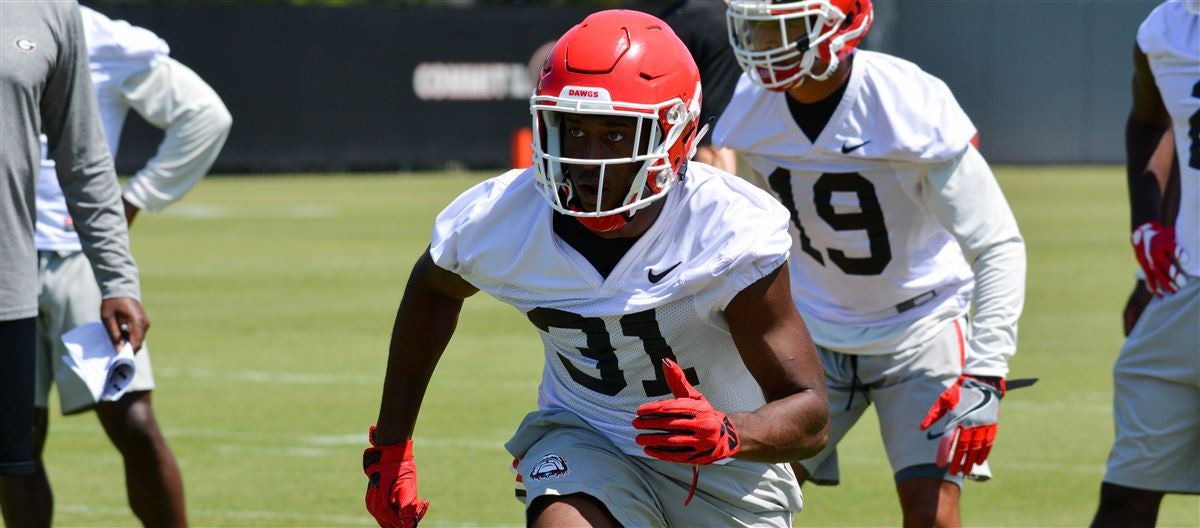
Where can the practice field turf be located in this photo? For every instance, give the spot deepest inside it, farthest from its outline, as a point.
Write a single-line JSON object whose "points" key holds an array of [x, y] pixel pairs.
{"points": [[272, 300]]}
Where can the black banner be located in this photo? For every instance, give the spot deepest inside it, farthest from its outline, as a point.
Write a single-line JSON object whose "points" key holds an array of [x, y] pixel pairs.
{"points": [[355, 89], [416, 87]]}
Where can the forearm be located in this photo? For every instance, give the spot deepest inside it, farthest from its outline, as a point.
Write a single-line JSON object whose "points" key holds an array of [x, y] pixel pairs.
{"points": [[779, 353], [195, 125], [998, 301], [1145, 192], [1148, 119], [786, 430], [418, 340], [93, 199], [793, 425], [966, 199], [425, 321]]}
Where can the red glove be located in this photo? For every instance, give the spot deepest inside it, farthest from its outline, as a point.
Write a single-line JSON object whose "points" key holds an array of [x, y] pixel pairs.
{"points": [[694, 432], [392, 485], [1159, 257], [973, 407]]}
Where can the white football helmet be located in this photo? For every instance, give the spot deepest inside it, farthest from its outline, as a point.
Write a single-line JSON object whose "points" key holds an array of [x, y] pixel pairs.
{"points": [[778, 42]]}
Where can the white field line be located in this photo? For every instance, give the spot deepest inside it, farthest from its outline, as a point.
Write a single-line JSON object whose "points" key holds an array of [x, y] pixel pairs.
{"points": [[203, 211], [309, 378], [267, 376], [309, 445], [1048, 467], [1058, 407], [268, 516]]}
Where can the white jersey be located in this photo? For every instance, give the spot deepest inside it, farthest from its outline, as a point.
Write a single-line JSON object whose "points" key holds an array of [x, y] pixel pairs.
{"points": [[130, 68], [884, 202], [1170, 38], [604, 339]]}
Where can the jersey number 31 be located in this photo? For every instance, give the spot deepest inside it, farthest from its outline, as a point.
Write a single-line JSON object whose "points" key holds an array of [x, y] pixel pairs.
{"points": [[642, 325]]}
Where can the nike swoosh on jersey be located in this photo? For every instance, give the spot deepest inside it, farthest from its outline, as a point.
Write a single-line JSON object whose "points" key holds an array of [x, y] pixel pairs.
{"points": [[987, 397], [846, 148], [655, 277]]}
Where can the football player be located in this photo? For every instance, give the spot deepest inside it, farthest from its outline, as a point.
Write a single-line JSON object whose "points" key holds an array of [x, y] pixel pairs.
{"points": [[1156, 379], [900, 231], [130, 68], [659, 289]]}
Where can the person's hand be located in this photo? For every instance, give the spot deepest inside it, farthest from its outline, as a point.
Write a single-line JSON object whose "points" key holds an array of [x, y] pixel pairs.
{"points": [[392, 485], [125, 320], [131, 211], [972, 406], [691, 431], [1159, 257], [1138, 299]]}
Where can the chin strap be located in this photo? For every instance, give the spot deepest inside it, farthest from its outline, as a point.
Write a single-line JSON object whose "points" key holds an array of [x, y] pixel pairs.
{"points": [[603, 224]]}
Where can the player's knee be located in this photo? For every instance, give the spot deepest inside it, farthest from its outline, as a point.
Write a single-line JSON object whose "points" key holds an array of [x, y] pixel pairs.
{"points": [[927, 500], [41, 422], [1125, 506], [131, 424], [921, 514]]}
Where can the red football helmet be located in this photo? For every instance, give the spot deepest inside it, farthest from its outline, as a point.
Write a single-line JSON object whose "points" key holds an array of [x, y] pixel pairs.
{"points": [[778, 42], [617, 63]]}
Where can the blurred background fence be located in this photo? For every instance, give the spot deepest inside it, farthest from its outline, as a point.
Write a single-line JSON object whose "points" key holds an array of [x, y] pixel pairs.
{"points": [[420, 85]]}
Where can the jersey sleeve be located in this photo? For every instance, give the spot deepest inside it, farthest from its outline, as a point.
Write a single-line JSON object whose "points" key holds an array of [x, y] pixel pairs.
{"points": [[964, 196], [195, 124], [1163, 35], [752, 240], [458, 227], [908, 114], [118, 41]]}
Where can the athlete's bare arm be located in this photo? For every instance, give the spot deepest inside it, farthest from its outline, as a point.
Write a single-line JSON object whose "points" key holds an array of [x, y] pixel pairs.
{"points": [[1148, 121], [424, 324], [1165, 170], [779, 353], [1154, 184]]}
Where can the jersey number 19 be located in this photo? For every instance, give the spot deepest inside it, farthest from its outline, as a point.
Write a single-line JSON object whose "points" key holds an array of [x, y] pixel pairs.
{"points": [[869, 218]]}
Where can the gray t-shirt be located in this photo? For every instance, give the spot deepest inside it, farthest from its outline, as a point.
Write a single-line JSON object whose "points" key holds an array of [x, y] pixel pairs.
{"points": [[45, 86]]}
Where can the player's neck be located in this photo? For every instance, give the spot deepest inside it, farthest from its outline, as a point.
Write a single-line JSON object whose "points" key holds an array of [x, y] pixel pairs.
{"points": [[813, 91]]}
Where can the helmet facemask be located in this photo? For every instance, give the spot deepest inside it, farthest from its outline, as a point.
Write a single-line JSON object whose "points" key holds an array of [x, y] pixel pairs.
{"points": [[656, 130], [782, 44]]}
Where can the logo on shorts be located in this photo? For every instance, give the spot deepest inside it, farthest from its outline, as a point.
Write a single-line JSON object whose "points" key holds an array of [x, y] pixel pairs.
{"points": [[24, 44], [549, 466]]}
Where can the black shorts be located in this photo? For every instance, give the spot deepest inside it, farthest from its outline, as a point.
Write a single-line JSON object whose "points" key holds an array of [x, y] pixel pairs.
{"points": [[16, 396]]}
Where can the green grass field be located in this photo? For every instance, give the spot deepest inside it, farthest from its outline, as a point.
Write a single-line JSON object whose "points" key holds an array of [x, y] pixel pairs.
{"points": [[272, 300]]}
